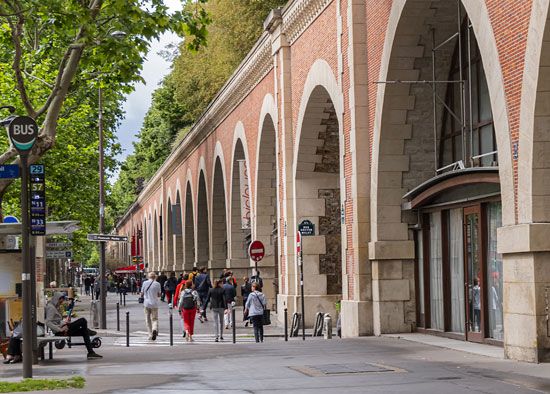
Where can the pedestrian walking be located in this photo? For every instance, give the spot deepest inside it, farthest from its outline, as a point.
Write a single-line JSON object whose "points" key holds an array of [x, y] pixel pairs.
{"points": [[256, 278], [170, 287], [188, 303], [218, 304], [162, 278], [203, 285], [151, 291], [87, 283], [230, 294], [97, 288], [246, 289], [255, 306]]}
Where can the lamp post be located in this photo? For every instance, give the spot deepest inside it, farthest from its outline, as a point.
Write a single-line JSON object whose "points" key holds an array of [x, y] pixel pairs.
{"points": [[102, 270]]}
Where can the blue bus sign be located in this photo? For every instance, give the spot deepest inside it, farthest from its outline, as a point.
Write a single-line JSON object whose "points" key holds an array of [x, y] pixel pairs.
{"points": [[9, 171]]}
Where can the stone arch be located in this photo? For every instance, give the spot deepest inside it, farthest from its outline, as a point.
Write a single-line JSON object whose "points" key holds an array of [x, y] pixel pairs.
{"points": [[534, 140], [403, 155], [169, 242], [241, 219], [161, 235], [156, 249], [189, 228], [203, 235], [219, 214], [317, 184], [265, 225]]}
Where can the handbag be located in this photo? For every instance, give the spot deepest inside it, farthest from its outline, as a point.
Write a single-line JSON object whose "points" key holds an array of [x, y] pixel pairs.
{"points": [[141, 298]]}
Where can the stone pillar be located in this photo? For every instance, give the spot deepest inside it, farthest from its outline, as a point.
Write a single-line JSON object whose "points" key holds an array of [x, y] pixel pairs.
{"points": [[525, 252], [356, 306], [392, 286]]}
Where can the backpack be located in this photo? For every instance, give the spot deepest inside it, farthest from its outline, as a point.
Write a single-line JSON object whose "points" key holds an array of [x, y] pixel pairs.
{"points": [[186, 301]]}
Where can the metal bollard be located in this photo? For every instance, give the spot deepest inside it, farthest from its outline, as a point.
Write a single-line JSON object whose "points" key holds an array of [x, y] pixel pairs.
{"points": [[124, 297], [234, 325], [117, 316], [286, 324], [171, 326], [127, 329], [327, 326], [120, 297]]}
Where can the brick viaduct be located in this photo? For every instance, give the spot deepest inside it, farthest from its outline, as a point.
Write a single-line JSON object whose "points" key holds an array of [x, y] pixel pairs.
{"points": [[305, 130]]}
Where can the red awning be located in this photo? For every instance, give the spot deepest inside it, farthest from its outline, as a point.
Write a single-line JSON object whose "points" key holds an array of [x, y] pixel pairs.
{"points": [[128, 270]]}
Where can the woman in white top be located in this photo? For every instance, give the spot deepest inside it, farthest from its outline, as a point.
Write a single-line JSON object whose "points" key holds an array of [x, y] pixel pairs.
{"points": [[255, 306]]}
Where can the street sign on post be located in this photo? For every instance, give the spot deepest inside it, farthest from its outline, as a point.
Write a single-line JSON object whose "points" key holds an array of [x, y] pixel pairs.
{"points": [[23, 132], [107, 237], [306, 228], [256, 251], [59, 254], [59, 244], [9, 171], [38, 199]]}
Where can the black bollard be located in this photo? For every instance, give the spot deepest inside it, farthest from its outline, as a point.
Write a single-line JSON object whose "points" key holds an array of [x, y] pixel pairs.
{"points": [[286, 324], [124, 295], [127, 329], [234, 325], [171, 329], [120, 297], [117, 316]]}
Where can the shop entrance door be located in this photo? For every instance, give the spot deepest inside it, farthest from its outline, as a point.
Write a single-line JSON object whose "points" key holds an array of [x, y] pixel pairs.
{"points": [[473, 274]]}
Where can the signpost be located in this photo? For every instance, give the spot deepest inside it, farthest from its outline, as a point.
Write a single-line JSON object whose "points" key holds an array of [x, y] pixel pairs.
{"points": [[38, 200], [59, 254], [59, 245], [23, 132], [299, 257], [306, 228], [9, 171], [107, 237], [256, 251]]}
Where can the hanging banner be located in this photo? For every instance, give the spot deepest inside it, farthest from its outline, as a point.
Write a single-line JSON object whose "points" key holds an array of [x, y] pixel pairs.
{"points": [[245, 195]]}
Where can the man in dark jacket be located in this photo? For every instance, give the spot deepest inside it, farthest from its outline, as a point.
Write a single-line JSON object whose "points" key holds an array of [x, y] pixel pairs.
{"points": [[202, 286], [230, 294], [170, 287], [162, 279], [218, 304]]}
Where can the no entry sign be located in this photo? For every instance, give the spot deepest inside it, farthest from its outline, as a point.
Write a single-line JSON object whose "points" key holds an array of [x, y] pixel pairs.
{"points": [[256, 251]]}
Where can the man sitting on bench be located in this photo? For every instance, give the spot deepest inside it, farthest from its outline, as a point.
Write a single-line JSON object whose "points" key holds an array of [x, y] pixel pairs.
{"points": [[79, 327]]}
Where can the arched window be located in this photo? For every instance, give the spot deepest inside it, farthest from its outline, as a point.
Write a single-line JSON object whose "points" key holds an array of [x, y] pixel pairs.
{"points": [[467, 131]]}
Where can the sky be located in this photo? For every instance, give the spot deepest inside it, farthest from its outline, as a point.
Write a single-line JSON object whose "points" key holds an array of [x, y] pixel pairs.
{"points": [[138, 102]]}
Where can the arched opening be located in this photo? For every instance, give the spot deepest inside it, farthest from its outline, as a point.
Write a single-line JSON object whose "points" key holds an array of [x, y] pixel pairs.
{"points": [[266, 229], [189, 247], [177, 230], [219, 221], [162, 254], [169, 258], [203, 239], [155, 243], [317, 190], [240, 212], [437, 151]]}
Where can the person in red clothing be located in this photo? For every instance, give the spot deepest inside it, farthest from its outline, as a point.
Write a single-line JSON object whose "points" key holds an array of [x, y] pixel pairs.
{"points": [[188, 304], [179, 288]]}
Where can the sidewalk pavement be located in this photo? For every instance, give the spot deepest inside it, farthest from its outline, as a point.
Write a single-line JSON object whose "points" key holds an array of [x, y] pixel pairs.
{"points": [[359, 365]]}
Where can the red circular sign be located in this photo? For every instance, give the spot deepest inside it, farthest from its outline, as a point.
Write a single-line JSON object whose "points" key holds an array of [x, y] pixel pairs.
{"points": [[256, 251]]}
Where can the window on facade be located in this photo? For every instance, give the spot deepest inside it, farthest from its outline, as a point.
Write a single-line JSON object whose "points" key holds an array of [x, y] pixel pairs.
{"points": [[467, 141], [494, 272]]}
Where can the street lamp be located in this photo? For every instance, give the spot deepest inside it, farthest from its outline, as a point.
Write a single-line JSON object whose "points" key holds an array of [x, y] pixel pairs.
{"points": [[119, 35]]}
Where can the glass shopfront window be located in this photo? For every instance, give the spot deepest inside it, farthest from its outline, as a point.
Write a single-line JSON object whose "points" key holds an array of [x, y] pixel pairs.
{"points": [[494, 272], [436, 273], [456, 265]]}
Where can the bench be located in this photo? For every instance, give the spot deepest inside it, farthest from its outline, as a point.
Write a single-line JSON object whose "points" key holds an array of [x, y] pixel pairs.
{"points": [[59, 342]]}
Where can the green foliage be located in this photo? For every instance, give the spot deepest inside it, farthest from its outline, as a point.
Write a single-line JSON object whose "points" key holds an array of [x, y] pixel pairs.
{"points": [[234, 26], [53, 57], [76, 382]]}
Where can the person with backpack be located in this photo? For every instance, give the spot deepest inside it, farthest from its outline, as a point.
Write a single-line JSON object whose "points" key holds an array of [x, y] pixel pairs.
{"points": [[254, 309], [203, 286], [193, 275], [188, 303], [218, 304]]}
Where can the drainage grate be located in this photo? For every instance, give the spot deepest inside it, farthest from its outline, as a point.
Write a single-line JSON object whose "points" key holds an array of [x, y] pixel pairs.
{"points": [[340, 369]]}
